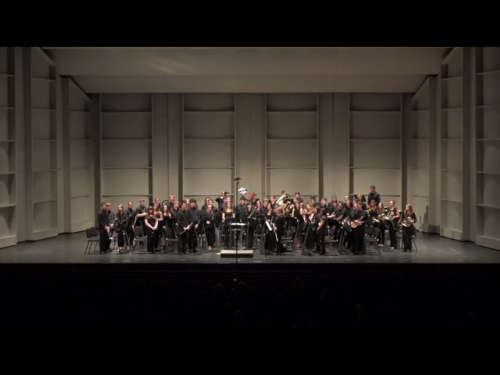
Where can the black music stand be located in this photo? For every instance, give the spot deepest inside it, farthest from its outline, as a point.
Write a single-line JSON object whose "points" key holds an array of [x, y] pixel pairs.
{"points": [[247, 221]]}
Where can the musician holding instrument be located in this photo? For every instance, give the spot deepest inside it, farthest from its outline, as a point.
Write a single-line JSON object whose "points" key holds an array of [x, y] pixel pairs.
{"points": [[227, 214], [183, 228], [152, 232], [194, 216], [359, 218], [140, 213], [381, 224], [242, 206], [374, 195], [321, 234], [130, 228], [250, 213], [394, 216], [121, 226], [209, 223], [104, 226], [278, 226], [408, 219]]}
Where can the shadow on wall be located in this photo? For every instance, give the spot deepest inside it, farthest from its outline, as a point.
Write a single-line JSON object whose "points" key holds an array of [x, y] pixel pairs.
{"points": [[424, 223]]}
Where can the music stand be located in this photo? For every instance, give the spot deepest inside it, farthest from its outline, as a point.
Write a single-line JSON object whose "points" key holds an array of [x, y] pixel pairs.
{"points": [[247, 221]]}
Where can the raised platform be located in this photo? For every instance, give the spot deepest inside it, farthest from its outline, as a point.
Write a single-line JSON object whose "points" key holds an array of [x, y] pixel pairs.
{"points": [[236, 253]]}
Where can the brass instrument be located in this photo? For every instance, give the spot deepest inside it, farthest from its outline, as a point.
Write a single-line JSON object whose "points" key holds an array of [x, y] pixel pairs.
{"points": [[406, 222], [281, 200]]}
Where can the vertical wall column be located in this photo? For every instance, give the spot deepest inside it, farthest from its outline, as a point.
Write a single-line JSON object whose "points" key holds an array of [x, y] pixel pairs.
{"points": [[434, 199], [405, 147], [174, 149], [95, 114], [66, 155], [326, 142], [160, 142], [466, 144], [340, 152]]}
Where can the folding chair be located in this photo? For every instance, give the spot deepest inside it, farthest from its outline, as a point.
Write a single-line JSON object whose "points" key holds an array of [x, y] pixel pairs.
{"points": [[93, 238], [140, 238], [291, 233], [371, 239]]}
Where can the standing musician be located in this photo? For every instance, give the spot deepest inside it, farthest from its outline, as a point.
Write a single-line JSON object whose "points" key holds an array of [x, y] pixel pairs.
{"points": [[183, 220], [112, 220], [265, 204], [205, 205], [157, 202], [358, 220], [324, 206], [317, 217], [395, 214], [194, 216], [168, 231], [151, 223], [159, 216], [253, 199], [242, 206], [221, 201], [381, 225], [362, 200], [104, 227], [333, 204], [227, 214], [374, 195], [121, 226], [250, 213], [372, 210], [272, 201], [407, 220], [140, 214], [321, 235], [278, 226], [130, 228], [171, 202], [311, 226], [209, 223], [336, 218]]}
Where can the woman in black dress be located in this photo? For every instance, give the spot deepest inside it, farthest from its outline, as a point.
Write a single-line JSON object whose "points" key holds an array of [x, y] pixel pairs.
{"points": [[408, 231], [151, 224], [121, 226], [209, 222]]}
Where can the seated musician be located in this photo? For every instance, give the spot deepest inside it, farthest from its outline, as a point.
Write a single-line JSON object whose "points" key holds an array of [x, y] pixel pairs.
{"points": [[227, 214]]}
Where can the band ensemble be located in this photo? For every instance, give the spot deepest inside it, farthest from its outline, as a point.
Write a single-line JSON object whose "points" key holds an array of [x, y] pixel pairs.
{"points": [[279, 221]]}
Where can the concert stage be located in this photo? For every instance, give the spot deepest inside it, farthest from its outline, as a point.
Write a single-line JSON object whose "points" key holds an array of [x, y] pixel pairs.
{"points": [[432, 249]]}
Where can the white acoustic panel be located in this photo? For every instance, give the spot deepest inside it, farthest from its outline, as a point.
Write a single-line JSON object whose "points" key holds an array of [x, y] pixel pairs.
{"points": [[7, 157], [371, 125], [421, 209], [488, 156], [375, 102], [379, 154], [419, 153], [292, 125], [420, 182], [126, 154], [452, 124], [7, 189], [205, 125], [80, 153], [44, 155], [80, 210], [292, 180], [40, 66], [451, 185], [452, 151], [126, 181], [488, 188], [420, 124], [489, 89], [80, 125], [7, 222], [451, 214], [208, 154], [44, 186], [487, 123], [207, 181], [126, 103], [488, 222], [44, 216], [42, 91], [4, 91], [387, 181], [452, 91], [44, 124], [209, 102], [292, 153], [134, 125], [291, 102], [79, 180]]}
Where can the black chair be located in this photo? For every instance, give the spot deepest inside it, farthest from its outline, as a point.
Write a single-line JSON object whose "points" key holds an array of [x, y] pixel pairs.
{"points": [[93, 239], [371, 239], [140, 238]]}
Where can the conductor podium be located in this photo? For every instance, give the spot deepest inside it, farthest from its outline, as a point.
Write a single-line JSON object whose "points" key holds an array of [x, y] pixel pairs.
{"points": [[236, 232]]}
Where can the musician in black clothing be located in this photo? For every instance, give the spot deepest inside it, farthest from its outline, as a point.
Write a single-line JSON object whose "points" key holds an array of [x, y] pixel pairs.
{"points": [[182, 228], [152, 232], [408, 230], [359, 218], [121, 227], [227, 214], [278, 224], [242, 207], [103, 220], [209, 223], [332, 205], [338, 213], [250, 213], [130, 228], [393, 224], [321, 235], [194, 216], [140, 214], [374, 195]]}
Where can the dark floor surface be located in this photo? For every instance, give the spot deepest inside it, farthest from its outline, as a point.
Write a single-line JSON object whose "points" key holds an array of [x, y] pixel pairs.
{"points": [[70, 249]]}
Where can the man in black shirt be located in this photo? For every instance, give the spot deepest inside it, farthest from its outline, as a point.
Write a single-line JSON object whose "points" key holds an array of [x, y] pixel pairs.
{"points": [[359, 217], [194, 217], [183, 220], [373, 195], [171, 202], [242, 207], [250, 210], [140, 214], [103, 220], [131, 218]]}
